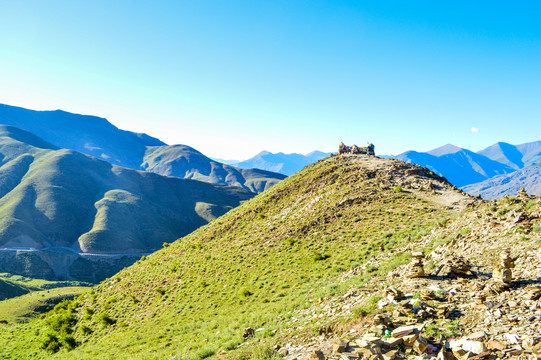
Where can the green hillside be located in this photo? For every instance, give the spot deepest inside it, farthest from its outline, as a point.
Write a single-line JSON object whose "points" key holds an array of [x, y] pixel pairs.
{"points": [[24, 307], [71, 202], [10, 289], [22, 298], [279, 252]]}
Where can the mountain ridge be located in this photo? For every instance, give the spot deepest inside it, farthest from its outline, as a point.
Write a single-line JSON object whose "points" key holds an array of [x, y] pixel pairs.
{"points": [[496, 187], [476, 172], [461, 168], [186, 162], [97, 137], [286, 164]]}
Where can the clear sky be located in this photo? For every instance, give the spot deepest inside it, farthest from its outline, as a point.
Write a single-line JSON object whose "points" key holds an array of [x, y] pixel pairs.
{"points": [[232, 78]]}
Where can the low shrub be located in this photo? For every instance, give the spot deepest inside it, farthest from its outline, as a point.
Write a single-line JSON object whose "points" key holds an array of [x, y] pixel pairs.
{"points": [[105, 319], [245, 292], [50, 343], [317, 256], [161, 291]]}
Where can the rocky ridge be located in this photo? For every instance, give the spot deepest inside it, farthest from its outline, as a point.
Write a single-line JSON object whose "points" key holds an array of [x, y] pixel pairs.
{"points": [[479, 296]]}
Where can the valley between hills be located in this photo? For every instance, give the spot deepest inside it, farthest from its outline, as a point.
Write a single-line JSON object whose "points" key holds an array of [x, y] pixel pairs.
{"points": [[352, 257]]}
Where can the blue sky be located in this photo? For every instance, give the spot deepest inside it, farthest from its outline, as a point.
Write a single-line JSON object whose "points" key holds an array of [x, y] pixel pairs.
{"points": [[232, 78]]}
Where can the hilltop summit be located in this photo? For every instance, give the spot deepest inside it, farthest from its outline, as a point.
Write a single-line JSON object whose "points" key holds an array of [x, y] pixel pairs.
{"points": [[276, 253]]}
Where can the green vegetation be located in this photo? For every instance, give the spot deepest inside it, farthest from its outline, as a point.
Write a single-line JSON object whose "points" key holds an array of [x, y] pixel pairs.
{"points": [[242, 270], [27, 297], [10, 289], [25, 307], [59, 325], [39, 284], [502, 212], [52, 197], [531, 205], [446, 328], [368, 308]]}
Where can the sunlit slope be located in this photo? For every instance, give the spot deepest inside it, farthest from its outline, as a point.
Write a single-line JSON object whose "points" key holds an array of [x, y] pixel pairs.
{"points": [[26, 306], [275, 253], [62, 198]]}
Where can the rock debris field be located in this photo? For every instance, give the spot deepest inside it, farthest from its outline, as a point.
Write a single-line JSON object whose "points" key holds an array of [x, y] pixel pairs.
{"points": [[471, 291]]}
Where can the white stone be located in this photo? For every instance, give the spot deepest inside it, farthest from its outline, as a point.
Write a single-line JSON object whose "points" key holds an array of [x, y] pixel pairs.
{"points": [[476, 347], [511, 338]]}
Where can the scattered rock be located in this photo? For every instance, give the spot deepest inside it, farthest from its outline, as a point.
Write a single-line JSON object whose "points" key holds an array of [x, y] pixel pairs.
{"points": [[248, 333], [394, 294], [456, 266], [318, 354], [445, 355], [403, 331], [496, 316], [496, 345], [339, 347], [420, 345], [382, 319], [511, 338]]}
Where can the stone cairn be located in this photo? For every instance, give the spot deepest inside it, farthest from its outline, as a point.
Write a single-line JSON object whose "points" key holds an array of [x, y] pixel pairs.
{"points": [[416, 266], [503, 272], [522, 194]]}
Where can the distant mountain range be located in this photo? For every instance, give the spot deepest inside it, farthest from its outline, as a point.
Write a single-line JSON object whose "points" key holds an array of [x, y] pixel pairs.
{"points": [[96, 136], [186, 162], [286, 164], [498, 186], [498, 170], [53, 198]]}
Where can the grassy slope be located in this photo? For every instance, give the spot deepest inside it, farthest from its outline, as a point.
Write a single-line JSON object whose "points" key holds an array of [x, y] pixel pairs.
{"points": [[60, 197], [39, 284], [9, 289], [277, 252], [25, 307]]}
